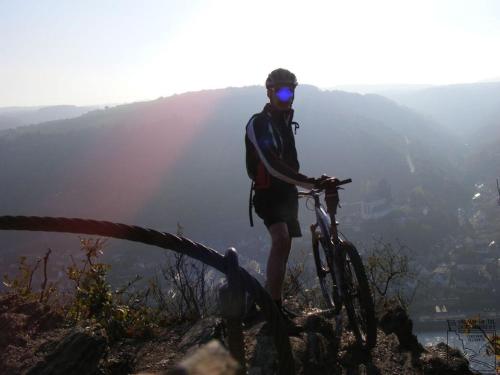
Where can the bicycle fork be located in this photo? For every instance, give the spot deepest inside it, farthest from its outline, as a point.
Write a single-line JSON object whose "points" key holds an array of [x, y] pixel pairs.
{"points": [[338, 260], [333, 268]]}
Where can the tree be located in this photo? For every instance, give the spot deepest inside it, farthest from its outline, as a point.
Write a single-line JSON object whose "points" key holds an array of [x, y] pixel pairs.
{"points": [[390, 274]]}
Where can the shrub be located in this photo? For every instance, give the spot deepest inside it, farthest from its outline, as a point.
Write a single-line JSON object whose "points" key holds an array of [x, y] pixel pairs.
{"points": [[390, 274], [22, 284], [95, 300]]}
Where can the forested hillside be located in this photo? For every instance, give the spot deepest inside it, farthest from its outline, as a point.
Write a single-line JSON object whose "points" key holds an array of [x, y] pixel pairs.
{"points": [[181, 159]]}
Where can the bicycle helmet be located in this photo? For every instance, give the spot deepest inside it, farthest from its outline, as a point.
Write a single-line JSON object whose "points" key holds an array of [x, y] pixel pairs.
{"points": [[281, 77]]}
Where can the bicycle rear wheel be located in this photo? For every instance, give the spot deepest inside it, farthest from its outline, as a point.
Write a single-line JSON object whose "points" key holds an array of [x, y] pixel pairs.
{"points": [[358, 298], [323, 259]]}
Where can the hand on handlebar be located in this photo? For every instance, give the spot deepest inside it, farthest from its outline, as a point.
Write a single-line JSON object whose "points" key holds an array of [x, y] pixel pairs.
{"points": [[324, 181]]}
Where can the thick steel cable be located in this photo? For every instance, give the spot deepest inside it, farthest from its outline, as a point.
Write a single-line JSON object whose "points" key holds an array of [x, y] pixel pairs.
{"points": [[171, 242]]}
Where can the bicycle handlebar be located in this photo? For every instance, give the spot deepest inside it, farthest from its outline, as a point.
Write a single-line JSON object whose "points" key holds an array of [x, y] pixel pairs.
{"points": [[344, 182], [336, 184]]}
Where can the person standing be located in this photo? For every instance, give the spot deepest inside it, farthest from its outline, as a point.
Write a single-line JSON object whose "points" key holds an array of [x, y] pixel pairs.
{"points": [[273, 166]]}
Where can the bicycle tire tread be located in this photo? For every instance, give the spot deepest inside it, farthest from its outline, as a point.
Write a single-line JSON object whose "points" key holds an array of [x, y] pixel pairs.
{"points": [[365, 300], [331, 298]]}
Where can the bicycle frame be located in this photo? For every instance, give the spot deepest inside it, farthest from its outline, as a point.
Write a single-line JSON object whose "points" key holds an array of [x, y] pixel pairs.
{"points": [[323, 219]]}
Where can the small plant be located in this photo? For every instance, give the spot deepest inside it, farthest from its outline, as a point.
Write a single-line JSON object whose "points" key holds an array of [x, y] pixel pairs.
{"points": [[22, 284], [292, 285], [93, 296], [298, 284], [190, 293]]}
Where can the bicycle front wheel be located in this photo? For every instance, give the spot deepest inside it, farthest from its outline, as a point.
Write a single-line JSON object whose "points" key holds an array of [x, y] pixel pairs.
{"points": [[323, 259], [358, 298]]}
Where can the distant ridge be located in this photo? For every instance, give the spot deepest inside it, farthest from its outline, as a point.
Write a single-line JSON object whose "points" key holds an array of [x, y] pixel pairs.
{"points": [[463, 109], [381, 89], [12, 117]]}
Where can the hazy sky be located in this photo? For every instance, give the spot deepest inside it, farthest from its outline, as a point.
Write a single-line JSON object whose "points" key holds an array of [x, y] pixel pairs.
{"points": [[94, 52]]}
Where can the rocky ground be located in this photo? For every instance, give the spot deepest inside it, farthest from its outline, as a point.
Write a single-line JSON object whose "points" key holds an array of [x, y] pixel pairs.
{"points": [[35, 340]]}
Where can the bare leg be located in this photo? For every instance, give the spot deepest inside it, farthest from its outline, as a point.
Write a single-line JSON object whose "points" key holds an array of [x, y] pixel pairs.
{"points": [[276, 263]]}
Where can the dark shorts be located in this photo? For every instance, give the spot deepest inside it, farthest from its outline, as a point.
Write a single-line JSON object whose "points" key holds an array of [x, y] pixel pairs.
{"points": [[278, 207]]}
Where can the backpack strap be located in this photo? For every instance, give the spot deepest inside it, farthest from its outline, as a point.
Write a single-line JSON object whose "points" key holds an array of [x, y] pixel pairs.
{"points": [[250, 204]]}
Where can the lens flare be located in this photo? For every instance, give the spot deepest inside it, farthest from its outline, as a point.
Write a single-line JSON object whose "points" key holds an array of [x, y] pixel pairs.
{"points": [[284, 94]]}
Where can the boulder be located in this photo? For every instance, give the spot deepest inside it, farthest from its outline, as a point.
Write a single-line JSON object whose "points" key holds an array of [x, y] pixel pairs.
{"points": [[442, 359], [78, 353], [200, 333], [209, 359], [395, 319]]}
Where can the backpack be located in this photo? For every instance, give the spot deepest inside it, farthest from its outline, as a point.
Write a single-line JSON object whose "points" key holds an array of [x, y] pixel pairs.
{"points": [[255, 168]]}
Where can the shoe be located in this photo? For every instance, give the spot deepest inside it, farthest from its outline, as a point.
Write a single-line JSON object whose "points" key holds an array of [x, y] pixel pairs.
{"points": [[291, 329], [288, 313]]}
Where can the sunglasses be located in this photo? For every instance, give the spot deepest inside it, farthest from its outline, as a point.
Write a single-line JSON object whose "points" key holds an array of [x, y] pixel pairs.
{"points": [[284, 93]]}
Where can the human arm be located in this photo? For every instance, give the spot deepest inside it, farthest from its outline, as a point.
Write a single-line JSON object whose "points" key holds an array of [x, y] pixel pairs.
{"points": [[260, 134]]}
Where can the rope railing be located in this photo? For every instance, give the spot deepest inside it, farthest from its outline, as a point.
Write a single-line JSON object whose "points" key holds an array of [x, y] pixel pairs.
{"points": [[171, 242]]}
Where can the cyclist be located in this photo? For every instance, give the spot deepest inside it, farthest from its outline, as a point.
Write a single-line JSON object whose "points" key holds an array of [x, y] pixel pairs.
{"points": [[272, 164]]}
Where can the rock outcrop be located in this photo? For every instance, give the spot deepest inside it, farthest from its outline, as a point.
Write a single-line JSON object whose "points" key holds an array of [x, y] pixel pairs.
{"points": [[34, 341], [26, 328], [79, 352]]}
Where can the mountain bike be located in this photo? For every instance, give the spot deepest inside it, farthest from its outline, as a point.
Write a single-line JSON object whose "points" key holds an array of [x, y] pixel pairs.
{"points": [[341, 273]]}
